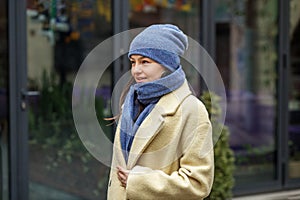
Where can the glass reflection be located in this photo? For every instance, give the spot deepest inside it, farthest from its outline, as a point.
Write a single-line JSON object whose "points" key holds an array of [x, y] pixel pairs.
{"points": [[60, 35], [246, 55]]}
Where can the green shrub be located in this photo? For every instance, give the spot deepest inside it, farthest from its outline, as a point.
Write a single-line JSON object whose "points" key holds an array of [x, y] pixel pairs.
{"points": [[51, 123], [224, 157]]}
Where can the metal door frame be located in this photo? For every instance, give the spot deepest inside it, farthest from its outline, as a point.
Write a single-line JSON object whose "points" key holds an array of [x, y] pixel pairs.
{"points": [[18, 133]]}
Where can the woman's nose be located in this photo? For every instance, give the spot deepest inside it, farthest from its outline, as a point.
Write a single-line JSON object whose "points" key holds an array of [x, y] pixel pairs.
{"points": [[137, 68]]}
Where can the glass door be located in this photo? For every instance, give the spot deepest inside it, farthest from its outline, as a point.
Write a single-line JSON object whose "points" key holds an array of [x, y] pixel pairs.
{"points": [[60, 34], [294, 93], [247, 57]]}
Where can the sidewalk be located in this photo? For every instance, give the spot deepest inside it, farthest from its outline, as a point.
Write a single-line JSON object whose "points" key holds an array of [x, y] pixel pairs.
{"points": [[284, 195]]}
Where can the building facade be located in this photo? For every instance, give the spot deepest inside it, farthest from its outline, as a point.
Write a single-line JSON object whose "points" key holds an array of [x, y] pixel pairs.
{"points": [[254, 43]]}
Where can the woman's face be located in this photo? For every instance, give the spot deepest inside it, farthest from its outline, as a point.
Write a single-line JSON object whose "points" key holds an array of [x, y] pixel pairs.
{"points": [[144, 69]]}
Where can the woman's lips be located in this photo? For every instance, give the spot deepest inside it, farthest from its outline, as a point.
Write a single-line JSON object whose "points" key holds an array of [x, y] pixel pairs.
{"points": [[139, 79]]}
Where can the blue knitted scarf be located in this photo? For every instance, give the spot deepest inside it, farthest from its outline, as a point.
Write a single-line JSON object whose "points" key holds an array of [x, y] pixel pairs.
{"points": [[148, 95]]}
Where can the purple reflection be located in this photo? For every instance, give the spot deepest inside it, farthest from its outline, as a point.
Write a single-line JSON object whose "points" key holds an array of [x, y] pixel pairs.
{"points": [[251, 119]]}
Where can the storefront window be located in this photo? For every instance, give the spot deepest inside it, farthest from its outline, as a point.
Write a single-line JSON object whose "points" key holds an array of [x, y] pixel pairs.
{"points": [[294, 91], [3, 101], [60, 34], [246, 55], [185, 14]]}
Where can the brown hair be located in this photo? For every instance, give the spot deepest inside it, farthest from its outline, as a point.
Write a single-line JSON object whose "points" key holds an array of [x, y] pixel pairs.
{"points": [[121, 101]]}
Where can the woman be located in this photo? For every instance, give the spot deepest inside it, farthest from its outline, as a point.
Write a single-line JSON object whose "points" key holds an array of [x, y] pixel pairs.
{"points": [[163, 144]]}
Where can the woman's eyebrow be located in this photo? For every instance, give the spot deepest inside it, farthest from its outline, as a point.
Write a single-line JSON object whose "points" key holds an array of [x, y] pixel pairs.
{"points": [[139, 58]]}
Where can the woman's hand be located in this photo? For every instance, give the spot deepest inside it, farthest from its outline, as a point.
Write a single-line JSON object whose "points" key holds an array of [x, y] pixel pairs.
{"points": [[122, 175]]}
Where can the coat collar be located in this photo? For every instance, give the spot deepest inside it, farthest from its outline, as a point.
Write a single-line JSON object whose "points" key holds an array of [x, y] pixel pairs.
{"points": [[167, 105]]}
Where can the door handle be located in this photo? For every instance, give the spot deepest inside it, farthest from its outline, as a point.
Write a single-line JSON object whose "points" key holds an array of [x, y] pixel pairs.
{"points": [[24, 94]]}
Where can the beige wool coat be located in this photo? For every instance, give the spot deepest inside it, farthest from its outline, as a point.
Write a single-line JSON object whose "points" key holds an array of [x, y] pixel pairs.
{"points": [[171, 156]]}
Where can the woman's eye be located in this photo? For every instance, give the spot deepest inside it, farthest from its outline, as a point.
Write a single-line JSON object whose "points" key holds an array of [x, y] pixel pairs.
{"points": [[145, 62], [132, 62]]}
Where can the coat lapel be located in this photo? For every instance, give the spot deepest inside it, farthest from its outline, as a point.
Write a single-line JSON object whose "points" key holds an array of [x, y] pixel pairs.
{"points": [[153, 123], [145, 134]]}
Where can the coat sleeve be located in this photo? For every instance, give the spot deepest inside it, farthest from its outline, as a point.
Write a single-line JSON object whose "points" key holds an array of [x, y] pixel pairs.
{"points": [[193, 179]]}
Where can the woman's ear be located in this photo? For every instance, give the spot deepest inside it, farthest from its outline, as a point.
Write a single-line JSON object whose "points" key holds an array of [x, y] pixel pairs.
{"points": [[165, 73]]}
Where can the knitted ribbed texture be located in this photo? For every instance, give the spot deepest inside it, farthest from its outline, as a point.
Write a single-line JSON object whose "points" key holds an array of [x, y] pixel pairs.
{"points": [[163, 43]]}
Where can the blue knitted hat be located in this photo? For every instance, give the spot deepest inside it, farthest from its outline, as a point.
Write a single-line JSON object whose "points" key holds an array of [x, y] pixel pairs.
{"points": [[163, 43]]}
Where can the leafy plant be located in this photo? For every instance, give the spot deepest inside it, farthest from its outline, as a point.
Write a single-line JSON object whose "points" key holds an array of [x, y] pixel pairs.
{"points": [[51, 123], [52, 131], [224, 157], [50, 119]]}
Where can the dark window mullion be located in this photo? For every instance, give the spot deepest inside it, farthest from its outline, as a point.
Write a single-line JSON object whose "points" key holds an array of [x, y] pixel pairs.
{"points": [[283, 61], [207, 32], [18, 156]]}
